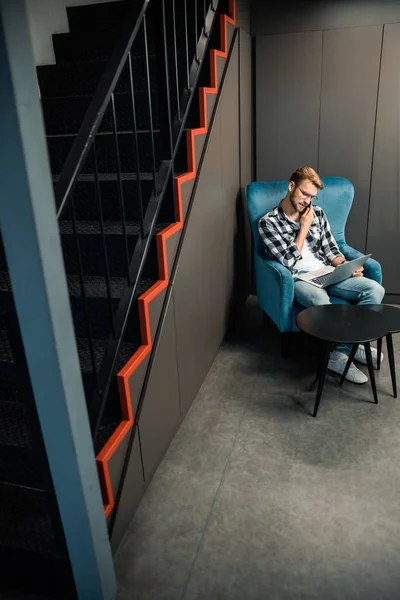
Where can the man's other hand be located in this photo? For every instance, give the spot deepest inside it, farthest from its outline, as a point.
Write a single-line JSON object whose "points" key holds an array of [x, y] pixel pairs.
{"points": [[307, 218], [359, 272]]}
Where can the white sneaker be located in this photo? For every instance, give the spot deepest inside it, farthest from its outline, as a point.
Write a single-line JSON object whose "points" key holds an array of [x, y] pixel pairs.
{"points": [[362, 358], [338, 364]]}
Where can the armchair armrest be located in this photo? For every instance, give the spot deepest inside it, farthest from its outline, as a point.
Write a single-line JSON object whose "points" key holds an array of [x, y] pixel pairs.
{"points": [[372, 269], [275, 291]]}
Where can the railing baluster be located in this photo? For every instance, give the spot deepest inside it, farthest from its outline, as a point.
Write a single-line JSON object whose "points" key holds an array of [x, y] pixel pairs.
{"points": [[103, 235], [136, 147], [196, 35], [120, 187], [83, 295], [153, 151], [164, 29], [176, 62], [186, 46]]}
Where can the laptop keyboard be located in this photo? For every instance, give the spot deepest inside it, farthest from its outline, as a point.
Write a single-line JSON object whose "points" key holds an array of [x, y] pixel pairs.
{"points": [[321, 279]]}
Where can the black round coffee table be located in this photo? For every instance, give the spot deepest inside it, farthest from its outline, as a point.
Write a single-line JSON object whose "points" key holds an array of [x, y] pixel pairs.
{"points": [[348, 324]]}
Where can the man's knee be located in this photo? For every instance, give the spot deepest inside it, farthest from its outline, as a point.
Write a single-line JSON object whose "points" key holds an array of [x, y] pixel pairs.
{"points": [[320, 299], [309, 295], [374, 292]]}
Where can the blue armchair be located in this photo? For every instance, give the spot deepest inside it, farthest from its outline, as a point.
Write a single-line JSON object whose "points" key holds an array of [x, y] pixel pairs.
{"points": [[274, 282]]}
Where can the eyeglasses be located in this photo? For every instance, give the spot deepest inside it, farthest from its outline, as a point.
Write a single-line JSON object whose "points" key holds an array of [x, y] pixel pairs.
{"points": [[307, 195]]}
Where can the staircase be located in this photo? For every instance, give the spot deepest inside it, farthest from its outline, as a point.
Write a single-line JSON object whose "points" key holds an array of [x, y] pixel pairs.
{"points": [[124, 108]]}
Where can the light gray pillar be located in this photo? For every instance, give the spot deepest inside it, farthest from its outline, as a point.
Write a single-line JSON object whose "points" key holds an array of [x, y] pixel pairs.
{"points": [[32, 245]]}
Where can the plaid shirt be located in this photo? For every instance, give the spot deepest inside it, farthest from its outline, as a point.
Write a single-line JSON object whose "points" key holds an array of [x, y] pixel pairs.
{"points": [[278, 234]]}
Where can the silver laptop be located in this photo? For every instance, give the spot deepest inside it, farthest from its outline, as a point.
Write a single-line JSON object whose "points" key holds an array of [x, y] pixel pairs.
{"points": [[326, 276]]}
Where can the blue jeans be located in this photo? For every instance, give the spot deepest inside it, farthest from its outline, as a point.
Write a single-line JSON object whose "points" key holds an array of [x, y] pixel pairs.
{"points": [[358, 290]]}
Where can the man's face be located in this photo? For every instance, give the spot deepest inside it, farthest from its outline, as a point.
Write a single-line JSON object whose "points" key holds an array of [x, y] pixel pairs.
{"points": [[302, 194]]}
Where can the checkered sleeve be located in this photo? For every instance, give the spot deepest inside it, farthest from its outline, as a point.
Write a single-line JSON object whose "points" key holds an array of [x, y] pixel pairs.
{"points": [[328, 242], [276, 246]]}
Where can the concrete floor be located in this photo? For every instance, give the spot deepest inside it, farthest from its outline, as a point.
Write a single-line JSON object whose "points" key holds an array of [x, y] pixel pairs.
{"points": [[257, 500]]}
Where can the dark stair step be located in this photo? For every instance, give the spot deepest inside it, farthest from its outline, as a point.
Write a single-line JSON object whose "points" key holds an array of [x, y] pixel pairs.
{"points": [[14, 425], [108, 425], [96, 287], [91, 45], [103, 16], [144, 284], [92, 249], [85, 203], [25, 521], [79, 46], [64, 115], [60, 146], [84, 354], [127, 349], [10, 390], [112, 415], [82, 78], [18, 459], [19, 466], [10, 379], [97, 304], [6, 354]]}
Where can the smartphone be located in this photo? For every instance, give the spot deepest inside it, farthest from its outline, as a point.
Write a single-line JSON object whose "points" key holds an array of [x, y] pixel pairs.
{"points": [[304, 209]]}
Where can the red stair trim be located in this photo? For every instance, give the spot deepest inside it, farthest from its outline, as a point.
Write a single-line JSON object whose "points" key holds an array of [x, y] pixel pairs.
{"points": [[102, 459]]}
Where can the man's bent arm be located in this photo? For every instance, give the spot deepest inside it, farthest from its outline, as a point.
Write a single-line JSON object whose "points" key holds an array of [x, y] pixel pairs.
{"points": [[300, 239], [287, 253], [329, 245]]}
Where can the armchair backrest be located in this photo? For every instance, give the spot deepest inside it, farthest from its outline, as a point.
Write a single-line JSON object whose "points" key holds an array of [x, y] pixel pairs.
{"points": [[335, 199]]}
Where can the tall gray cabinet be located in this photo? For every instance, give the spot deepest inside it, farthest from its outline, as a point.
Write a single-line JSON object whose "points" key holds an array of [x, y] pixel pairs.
{"points": [[331, 99], [383, 238], [350, 74]]}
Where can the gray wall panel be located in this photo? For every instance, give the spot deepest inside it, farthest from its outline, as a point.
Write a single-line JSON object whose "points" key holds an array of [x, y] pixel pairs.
{"points": [[201, 292], [136, 382], [243, 14], [384, 223], [230, 150], [131, 495], [350, 73], [289, 16], [160, 412], [194, 273], [116, 463], [246, 157], [288, 82], [246, 108]]}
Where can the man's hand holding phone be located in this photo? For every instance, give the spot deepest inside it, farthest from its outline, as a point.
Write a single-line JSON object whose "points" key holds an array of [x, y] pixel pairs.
{"points": [[307, 218]]}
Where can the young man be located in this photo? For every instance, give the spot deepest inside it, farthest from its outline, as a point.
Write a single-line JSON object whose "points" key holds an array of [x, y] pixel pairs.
{"points": [[298, 235]]}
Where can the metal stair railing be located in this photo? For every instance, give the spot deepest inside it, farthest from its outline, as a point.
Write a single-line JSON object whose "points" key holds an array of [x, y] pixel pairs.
{"points": [[175, 44]]}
